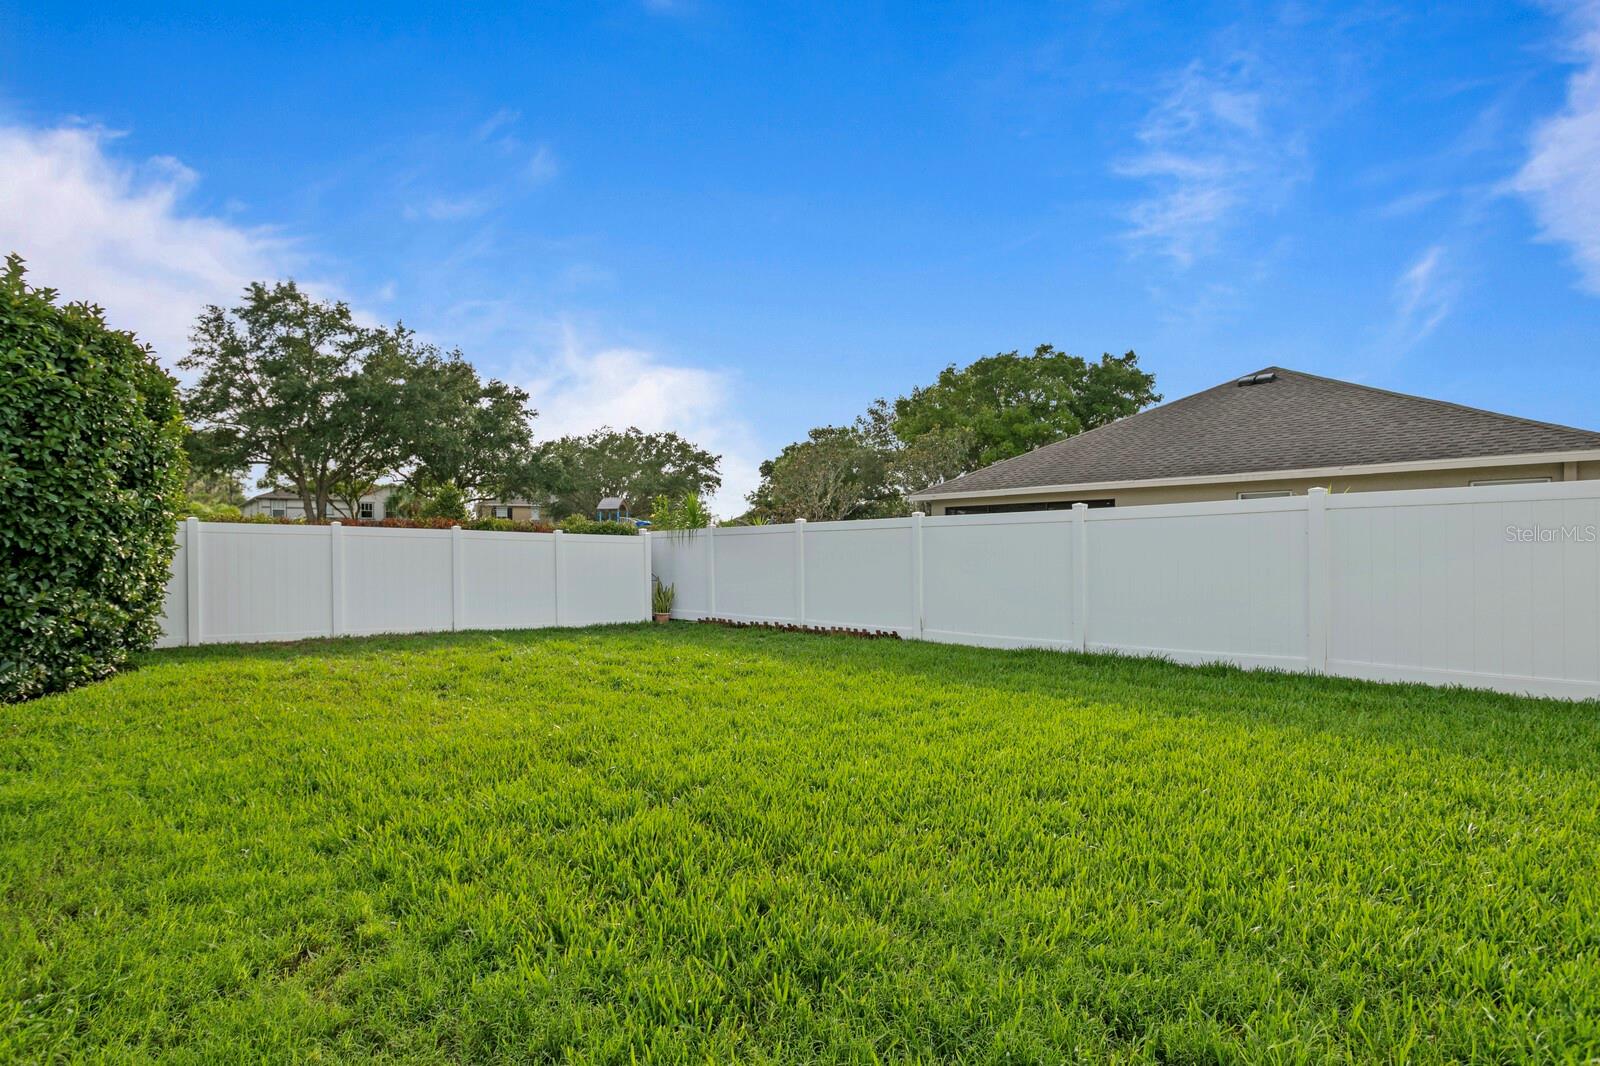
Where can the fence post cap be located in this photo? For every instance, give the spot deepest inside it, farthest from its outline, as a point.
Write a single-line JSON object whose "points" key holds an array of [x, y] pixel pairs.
{"points": [[558, 532], [453, 529], [799, 521], [1080, 507], [1316, 490], [918, 514], [334, 524]]}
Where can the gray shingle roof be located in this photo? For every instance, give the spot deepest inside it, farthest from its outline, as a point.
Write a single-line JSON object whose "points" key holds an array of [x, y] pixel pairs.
{"points": [[1294, 422]]}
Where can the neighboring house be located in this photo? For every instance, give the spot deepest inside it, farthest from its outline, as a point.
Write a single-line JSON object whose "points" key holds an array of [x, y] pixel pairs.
{"points": [[286, 503], [611, 509], [1275, 432], [516, 510]]}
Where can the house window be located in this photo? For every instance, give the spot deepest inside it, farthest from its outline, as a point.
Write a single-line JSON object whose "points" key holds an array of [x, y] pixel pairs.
{"points": [[1265, 494], [1011, 508], [280, 511], [365, 511], [1510, 481]]}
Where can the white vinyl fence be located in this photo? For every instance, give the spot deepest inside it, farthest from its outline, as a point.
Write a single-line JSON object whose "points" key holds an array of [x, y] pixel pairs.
{"points": [[1495, 587], [240, 582]]}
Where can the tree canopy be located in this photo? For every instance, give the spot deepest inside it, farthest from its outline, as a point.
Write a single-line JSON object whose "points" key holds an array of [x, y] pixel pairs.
{"points": [[1008, 403], [630, 463], [992, 409], [330, 407]]}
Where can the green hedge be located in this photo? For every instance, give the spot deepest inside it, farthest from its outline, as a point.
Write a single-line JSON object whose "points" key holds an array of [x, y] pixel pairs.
{"points": [[579, 524], [91, 472]]}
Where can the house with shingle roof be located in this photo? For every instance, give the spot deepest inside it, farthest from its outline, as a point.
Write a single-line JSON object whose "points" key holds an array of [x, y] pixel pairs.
{"points": [[1274, 432]]}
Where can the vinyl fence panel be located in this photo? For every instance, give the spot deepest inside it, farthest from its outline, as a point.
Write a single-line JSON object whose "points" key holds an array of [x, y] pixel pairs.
{"points": [[1003, 580], [756, 573], [1199, 583], [1495, 587], [396, 580], [680, 559], [238, 582], [510, 580], [858, 575]]}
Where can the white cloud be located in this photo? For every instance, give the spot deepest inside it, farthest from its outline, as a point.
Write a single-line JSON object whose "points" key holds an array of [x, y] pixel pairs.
{"points": [[118, 234], [1209, 152], [1561, 178], [585, 386], [1424, 295]]}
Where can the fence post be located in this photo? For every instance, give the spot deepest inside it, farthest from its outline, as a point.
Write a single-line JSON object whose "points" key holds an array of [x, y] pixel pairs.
{"points": [[711, 571], [561, 579], [916, 574], [1080, 576], [800, 571], [1318, 601], [458, 586], [649, 578], [191, 565], [336, 578]]}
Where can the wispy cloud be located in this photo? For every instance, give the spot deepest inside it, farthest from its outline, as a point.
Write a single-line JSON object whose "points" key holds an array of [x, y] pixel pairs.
{"points": [[446, 209], [1210, 149], [1561, 178], [119, 234], [542, 165], [1424, 295]]}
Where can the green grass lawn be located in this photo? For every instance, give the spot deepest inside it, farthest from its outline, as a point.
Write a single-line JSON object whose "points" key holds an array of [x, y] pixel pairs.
{"points": [[690, 843]]}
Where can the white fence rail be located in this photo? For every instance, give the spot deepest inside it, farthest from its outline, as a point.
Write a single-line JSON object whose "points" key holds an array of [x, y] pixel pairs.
{"points": [[240, 582], [1495, 587]]}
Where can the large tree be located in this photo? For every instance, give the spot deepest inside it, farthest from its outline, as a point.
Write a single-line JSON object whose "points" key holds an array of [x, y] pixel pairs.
{"points": [[296, 385], [837, 472], [458, 431], [630, 463], [1007, 403]]}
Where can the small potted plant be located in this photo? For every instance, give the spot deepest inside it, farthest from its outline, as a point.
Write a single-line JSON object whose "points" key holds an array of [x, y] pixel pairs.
{"points": [[661, 601]]}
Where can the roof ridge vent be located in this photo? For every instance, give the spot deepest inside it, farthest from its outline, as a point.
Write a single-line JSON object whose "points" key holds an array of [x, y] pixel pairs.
{"points": [[1257, 379]]}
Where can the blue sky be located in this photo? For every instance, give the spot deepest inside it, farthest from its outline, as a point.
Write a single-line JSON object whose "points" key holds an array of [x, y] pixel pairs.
{"points": [[745, 220]]}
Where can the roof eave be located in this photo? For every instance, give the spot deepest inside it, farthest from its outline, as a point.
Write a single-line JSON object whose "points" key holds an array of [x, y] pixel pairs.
{"points": [[1523, 459]]}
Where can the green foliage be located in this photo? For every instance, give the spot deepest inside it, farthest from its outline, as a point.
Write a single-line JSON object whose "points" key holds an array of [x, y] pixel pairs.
{"points": [[692, 844], [207, 511], [836, 473], [1007, 404], [687, 513], [578, 523], [458, 431], [331, 407], [630, 463], [297, 385], [995, 408], [662, 597], [508, 525], [91, 471], [446, 501]]}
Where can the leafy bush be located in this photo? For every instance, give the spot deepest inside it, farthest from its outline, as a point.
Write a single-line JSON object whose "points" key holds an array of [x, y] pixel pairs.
{"points": [[668, 515], [579, 524], [91, 472], [207, 511]]}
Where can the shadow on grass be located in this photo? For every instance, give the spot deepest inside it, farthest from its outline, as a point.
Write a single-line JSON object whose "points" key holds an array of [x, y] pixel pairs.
{"points": [[1523, 731]]}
